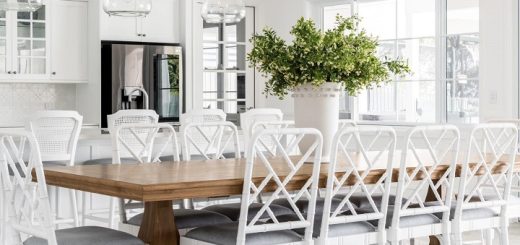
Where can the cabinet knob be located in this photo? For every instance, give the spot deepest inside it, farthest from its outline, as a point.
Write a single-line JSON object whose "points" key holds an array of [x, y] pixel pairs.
{"points": [[53, 73], [14, 72], [144, 35], [139, 34], [9, 72]]}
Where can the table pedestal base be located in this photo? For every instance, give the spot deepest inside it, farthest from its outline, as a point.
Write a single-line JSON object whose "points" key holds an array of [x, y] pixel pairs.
{"points": [[158, 226]]}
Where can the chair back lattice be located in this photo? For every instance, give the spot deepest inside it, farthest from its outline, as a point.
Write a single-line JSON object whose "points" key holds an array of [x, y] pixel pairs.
{"points": [[57, 134], [269, 145], [143, 143], [125, 117], [210, 140], [276, 174], [202, 116], [515, 186], [153, 140], [26, 203], [428, 149], [346, 123], [486, 176], [249, 118], [356, 153]]}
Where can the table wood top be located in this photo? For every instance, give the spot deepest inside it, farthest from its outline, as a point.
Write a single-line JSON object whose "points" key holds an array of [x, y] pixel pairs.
{"points": [[192, 179]]}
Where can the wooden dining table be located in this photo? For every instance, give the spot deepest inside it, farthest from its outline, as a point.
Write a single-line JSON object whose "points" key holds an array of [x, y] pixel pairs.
{"points": [[158, 184]]}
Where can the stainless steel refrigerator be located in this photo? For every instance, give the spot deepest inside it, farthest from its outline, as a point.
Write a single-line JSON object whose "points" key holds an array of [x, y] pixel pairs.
{"points": [[140, 76]]}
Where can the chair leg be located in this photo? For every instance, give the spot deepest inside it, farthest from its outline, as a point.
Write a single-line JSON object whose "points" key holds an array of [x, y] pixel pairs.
{"points": [[489, 235], [84, 208], [504, 236], [112, 211], [74, 202], [457, 238]]}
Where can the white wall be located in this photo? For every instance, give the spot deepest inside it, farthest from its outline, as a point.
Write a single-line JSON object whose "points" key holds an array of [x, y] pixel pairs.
{"points": [[498, 59], [88, 96], [281, 16]]}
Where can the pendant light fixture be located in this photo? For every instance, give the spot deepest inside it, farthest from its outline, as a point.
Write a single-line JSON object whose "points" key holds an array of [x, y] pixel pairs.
{"points": [[127, 8], [21, 5], [223, 11]]}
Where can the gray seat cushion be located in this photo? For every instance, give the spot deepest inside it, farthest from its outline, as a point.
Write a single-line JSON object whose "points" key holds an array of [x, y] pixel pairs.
{"points": [[334, 230], [227, 234], [303, 205], [190, 218], [89, 235], [106, 161], [468, 214], [361, 201], [404, 222], [233, 210]]}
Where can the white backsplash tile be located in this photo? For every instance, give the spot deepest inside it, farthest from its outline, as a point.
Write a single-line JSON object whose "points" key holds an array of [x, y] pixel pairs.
{"points": [[19, 101]]}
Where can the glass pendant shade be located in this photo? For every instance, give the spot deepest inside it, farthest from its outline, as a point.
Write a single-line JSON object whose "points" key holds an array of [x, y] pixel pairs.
{"points": [[21, 5], [127, 8], [223, 11]]}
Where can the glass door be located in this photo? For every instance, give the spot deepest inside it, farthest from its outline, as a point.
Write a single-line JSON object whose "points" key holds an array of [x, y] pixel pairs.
{"points": [[31, 43]]}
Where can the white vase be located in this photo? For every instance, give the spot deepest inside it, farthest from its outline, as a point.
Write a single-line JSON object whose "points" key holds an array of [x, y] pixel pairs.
{"points": [[317, 107]]}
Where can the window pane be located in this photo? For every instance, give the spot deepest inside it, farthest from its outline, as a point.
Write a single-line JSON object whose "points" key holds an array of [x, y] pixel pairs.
{"points": [[399, 101], [330, 13], [2, 28], [24, 65], [463, 101], [462, 56], [39, 30], [463, 16], [416, 18], [211, 56], [38, 48], [212, 32], [236, 32], [38, 66], [420, 54], [39, 14], [378, 18], [236, 57], [24, 29], [212, 86], [378, 104], [24, 47], [416, 101]]}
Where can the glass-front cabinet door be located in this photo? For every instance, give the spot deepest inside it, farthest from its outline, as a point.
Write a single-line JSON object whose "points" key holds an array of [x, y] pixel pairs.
{"points": [[24, 42], [31, 43], [3, 42]]}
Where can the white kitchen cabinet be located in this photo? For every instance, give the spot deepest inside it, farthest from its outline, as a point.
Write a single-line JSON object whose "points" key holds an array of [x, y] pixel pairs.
{"points": [[69, 43], [45, 46], [160, 26], [24, 45]]}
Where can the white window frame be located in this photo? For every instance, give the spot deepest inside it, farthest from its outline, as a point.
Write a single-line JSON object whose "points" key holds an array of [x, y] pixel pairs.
{"points": [[441, 110]]}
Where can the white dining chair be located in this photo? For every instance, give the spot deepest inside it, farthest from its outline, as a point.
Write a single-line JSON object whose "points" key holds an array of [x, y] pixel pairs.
{"points": [[514, 201], [249, 118], [356, 152], [427, 148], [57, 134], [485, 184], [258, 223], [148, 143], [210, 140], [122, 117], [30, 220]]}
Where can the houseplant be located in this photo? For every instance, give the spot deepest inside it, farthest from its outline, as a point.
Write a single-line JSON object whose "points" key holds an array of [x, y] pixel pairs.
{"points": [[317, 65]]}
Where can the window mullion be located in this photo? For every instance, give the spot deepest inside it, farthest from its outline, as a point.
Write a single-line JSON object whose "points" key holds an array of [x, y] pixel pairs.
{"points": [[441, 51]]}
